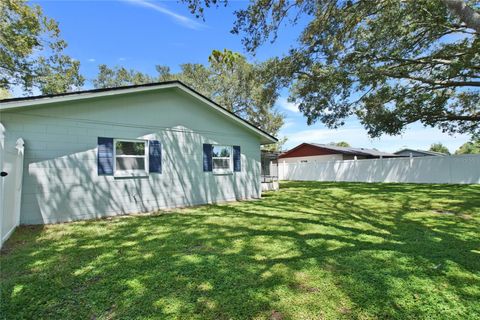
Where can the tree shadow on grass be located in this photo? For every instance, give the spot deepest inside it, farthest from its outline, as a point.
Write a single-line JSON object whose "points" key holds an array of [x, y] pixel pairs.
{"points": [[327, 250]]}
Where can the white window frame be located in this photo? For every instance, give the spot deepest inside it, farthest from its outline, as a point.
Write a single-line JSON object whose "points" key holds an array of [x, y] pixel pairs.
{"points": [[230, 162], [130, 173]]}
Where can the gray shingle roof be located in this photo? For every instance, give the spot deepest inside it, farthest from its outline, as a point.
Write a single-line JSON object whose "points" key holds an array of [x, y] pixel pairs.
{"points": [[427, 152], [355, 151]]}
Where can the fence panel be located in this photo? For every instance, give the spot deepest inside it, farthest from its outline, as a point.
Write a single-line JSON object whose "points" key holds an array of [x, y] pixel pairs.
{"points": [[465, 169], [11, 188], [436, 169]]}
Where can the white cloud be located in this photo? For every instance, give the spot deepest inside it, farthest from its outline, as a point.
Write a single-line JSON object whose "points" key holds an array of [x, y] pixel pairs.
{"points": [[181, 19], [416, 137], [288, 124], [91, 60], [283, 103], [122, 59]]}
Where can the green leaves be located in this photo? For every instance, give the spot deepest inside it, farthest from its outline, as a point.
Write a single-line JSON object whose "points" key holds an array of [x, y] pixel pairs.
{"points": [[120, 76], [31, 52], [388, 62], [439, 147], [471, 147]]}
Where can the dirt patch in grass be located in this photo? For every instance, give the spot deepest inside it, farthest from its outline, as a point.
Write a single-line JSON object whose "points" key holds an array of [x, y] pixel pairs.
{"points": [[276, 315]]}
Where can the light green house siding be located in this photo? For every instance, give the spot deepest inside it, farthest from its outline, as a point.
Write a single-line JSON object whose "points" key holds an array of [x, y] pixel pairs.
{"points": [[60, 172]]}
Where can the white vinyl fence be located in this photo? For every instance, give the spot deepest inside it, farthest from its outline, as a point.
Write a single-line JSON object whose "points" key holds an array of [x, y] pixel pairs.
{"points": [[436, 169], [11, 163]]}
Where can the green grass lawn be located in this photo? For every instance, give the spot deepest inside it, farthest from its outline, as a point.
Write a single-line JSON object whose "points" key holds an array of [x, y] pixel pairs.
{"points": [[310, 251]]}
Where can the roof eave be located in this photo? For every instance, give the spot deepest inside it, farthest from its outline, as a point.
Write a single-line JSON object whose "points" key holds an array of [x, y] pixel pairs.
{"points": [[9, 104]]}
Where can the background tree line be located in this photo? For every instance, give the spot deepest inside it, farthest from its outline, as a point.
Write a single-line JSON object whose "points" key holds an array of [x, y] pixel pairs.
{"points": [[228, 79]]}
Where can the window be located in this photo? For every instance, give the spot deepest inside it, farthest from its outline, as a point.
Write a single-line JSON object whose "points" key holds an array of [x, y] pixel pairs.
{"points": [[131, 158], [222, 159]]}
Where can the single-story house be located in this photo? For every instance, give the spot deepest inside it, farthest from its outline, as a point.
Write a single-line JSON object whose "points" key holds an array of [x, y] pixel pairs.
{"points": [[308, 152], [417, 153], [104, 152]]}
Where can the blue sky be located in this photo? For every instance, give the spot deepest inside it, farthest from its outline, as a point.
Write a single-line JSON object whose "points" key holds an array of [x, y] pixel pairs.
{"points": [[142, 33]]}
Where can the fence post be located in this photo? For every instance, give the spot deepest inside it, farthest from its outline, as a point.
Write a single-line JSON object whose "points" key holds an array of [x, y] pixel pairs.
{"points": [[355, 169], [382, 168], [19, 178], [279, 170], [450, 161]]}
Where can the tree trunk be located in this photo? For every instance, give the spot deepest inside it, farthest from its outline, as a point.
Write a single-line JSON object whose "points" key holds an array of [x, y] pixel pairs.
{"points": [[465, 13]]}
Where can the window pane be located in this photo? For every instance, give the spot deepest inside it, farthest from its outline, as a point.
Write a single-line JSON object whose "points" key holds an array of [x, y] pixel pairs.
{"points": [[221, 163], [221, 151], [130, 148], [130, 163]]}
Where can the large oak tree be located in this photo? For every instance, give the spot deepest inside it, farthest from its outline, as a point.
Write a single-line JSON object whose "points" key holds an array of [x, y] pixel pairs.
{"points": [[388, 62]]}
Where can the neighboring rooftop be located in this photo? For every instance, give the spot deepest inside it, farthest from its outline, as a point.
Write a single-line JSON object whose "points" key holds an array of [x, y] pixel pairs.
{"points": [[344, 150], [414, 152], [355, 151]]}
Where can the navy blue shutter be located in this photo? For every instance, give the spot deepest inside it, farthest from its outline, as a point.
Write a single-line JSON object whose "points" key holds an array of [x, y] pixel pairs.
{"points": [[207, 157], [237, 164], [155, 156], [105, 156]]}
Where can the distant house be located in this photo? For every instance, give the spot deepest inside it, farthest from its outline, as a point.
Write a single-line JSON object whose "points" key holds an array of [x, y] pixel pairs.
{"points": [[307, 152], [417, 153], [140, 148]]}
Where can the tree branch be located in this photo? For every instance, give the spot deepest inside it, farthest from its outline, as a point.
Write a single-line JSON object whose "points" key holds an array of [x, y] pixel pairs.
{"points": [[465, 13], [473, 117], [433, 82]]}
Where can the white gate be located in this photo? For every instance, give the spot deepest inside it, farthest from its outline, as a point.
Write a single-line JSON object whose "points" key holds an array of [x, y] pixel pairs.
{"points": [[11, 167]]}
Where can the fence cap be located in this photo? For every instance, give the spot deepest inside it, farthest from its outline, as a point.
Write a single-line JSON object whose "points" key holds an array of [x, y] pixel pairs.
{"points": [[20, 143]]}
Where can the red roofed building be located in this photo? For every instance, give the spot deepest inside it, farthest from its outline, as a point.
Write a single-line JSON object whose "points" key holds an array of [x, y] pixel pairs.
{"points": [[308, 152]]}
